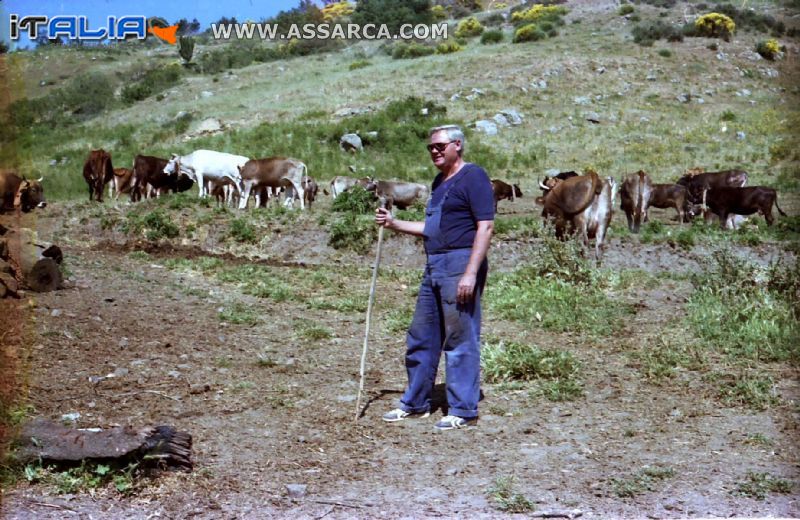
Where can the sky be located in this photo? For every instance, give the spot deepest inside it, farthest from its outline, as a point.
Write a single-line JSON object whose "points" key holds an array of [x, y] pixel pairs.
{"points": [[206, 11]]}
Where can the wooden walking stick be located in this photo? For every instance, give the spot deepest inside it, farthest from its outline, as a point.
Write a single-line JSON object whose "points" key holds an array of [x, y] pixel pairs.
{"points": [[369, 316]]}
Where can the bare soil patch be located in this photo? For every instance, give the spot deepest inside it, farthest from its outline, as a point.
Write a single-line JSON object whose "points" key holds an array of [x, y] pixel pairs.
{"points": [[280, 404]]}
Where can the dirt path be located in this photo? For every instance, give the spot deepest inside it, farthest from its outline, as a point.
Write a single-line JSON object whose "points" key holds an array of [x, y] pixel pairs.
{"points": [[280, 402]]}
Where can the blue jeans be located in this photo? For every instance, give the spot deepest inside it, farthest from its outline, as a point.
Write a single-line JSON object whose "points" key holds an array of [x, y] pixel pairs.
{"points": [[440, 323]]}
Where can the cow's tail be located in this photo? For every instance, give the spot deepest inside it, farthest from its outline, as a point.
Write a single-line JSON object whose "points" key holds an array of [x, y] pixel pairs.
{"points": [[637, 216], [597, 183], [779, 208], [513, 193]]}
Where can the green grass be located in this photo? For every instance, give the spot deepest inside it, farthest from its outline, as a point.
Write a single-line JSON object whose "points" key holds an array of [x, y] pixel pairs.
{"points": [[518, 227], [645, 480], [759, 485], [662, 358], [87, 477], [746, 311], [239, 314], [752, 391], [506, 498], [556, 373]]}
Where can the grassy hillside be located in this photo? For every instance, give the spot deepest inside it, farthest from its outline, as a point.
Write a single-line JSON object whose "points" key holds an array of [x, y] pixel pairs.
{"points": [[662, 108]]}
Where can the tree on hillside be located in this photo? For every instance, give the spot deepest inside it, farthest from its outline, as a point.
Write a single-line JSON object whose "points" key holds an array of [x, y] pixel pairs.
{"points": [[393, 13], [3, 47], [306, 12], [186, 27]]}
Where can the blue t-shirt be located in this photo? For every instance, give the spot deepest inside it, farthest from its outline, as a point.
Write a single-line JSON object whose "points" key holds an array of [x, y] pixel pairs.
{"points": [[469, 201]]}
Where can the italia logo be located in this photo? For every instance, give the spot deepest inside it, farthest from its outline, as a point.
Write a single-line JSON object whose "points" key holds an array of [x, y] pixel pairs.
{"points": [[75, 27]]}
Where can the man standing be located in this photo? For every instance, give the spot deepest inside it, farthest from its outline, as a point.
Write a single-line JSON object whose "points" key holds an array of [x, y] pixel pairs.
{"points": [[459, 221]]}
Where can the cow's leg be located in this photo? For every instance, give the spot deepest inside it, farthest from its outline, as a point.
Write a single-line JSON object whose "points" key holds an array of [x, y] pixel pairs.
{"points": [[723, 219], [248, 186], [680, 215], [767, 211], [200, 184]]}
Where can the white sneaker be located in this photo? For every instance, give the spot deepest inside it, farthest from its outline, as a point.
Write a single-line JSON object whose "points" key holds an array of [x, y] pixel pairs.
{"points": [[452, 422], [399, 414]]}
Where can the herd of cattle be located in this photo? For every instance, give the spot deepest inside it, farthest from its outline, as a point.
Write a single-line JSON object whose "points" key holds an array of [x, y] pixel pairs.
{"points": [[581, 204]]}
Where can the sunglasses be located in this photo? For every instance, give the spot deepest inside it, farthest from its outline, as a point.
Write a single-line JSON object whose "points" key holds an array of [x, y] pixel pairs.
{"points": [[439, 147]]}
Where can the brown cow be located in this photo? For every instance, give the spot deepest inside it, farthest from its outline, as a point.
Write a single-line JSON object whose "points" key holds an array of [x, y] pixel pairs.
{"points": [[725, 202], [585, 202], [504, 191], [634, 196], [697, 182], [567, 198], [98, 171], [121, 183], [669, 196], [273, 172], [311, 189], [19, 192], [149, 178]]}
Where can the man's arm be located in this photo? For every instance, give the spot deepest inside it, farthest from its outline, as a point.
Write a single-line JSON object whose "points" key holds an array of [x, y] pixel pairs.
{"points": [[383, 217], [480, 246]]}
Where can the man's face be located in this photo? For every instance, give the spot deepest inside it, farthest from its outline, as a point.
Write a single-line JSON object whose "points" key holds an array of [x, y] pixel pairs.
{"points": [[444, 152]]}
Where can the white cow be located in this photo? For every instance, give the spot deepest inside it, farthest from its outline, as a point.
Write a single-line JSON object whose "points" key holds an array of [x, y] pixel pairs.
{"points": [[208, 165]]}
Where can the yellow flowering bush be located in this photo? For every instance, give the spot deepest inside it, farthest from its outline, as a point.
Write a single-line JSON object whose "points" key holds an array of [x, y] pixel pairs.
{"points": [[715, 25], [333, 12], [768, 49], [469, 28], [529, 33], [539, 12], [500, 5], [439, 12], [448, 48]]}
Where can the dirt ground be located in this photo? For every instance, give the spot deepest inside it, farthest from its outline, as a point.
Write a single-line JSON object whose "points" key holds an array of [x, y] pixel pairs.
{"points": [[262, 426]]}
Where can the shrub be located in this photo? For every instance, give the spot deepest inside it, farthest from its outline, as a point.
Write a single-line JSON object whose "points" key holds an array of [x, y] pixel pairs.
{"points": [[646, 34], [715, 25], [355, 200], [360, 64], [539, 13], [666, 53], [392, 13], [439, 12], [494, 19], [152, 82], [528, 33], [411, 50], [626, 9], [492, 36], [768, 49], [448, 48], [469, 28], [186, 48], [336, 10], [728, 115], [353, 231]]}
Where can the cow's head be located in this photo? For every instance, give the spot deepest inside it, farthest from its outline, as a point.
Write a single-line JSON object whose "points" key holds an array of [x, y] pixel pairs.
{"points": [[549, 183], [30, 194], [173, 166], [517, 191]]}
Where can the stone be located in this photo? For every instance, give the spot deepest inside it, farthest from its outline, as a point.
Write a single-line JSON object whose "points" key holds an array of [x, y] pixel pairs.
{"points": [[351, 143], [582, 100], [740, 136], [486, 127], [296, 490], [210, 125], [501, 120], [206, 94], [512, 116]]}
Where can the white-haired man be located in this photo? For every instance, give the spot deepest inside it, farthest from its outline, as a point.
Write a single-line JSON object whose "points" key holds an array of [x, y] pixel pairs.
{"points": [[457, 230]]}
